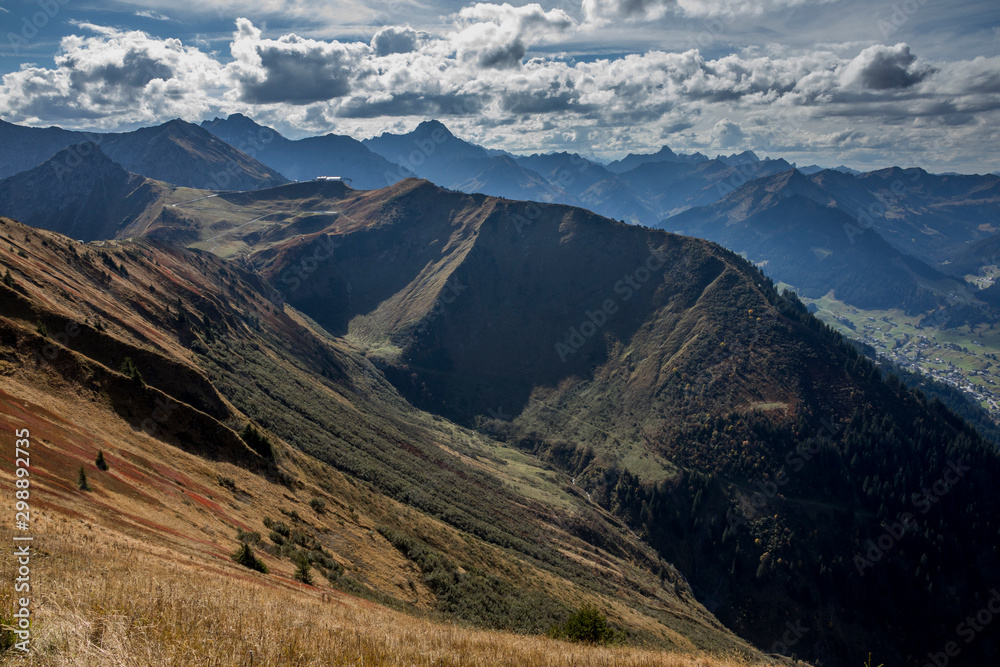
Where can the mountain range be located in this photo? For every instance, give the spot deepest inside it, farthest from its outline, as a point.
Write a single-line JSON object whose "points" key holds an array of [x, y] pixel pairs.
{"points": [[309, 158], [516, 406], [176, 152]]}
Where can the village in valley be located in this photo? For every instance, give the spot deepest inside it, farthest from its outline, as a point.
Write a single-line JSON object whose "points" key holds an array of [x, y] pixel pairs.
{"points": [[963, 357]]}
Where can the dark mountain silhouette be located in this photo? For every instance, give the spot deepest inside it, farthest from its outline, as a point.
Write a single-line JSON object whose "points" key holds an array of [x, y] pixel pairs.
{"points": [[308, 158], [82, 193], [633, 160], [176, 152]]}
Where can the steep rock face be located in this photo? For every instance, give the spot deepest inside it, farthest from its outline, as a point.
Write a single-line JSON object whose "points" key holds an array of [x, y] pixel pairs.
{"points": [[79, 192]]}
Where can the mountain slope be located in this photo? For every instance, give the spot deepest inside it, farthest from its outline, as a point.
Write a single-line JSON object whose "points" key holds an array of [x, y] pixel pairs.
{"points": [[308, 158], [502, 176], [787, 222], [22, 148], [678, 388], [219, 410], [569, 171], [430, 151], [81, 193], [930, 216], [175, 152]]}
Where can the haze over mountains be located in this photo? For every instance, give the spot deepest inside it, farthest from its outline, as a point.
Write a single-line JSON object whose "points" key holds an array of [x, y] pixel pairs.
{"points": [[545, 406]]}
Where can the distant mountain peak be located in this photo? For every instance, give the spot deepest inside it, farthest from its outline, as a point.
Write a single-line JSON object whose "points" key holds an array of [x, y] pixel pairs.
{"points": [[86, 154], [80, 192], [431, 124], [738, 159], [178, 124]]}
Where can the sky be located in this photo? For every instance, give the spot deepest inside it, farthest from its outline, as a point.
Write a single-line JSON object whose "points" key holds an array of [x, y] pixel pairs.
{"points": [[829, 82]]}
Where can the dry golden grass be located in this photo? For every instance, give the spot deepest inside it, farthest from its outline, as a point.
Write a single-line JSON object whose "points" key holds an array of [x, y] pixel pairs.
{"points": [[103, 600]]}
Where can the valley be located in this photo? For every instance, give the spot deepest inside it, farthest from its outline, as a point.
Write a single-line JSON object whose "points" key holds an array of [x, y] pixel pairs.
{"points": [[962, 357]]}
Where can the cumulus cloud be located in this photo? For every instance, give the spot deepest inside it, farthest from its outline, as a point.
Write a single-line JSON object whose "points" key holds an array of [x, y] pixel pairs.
{"points": [[114, 77], [292, 69], [489, 72], [498, 36], [726, 134], [393, 39], [883, 67]]}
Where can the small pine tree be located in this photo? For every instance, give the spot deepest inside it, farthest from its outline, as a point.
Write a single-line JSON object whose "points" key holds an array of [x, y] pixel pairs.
{"points": [[129, 368], [81, 480], [100, 462], [588, 625], [207, 324], [303, 572], [8, 279], [245, 557], [41, 329]]}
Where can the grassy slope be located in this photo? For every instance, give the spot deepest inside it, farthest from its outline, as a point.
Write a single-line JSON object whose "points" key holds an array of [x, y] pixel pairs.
{"points": [[378, 463], [706, 381]]}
